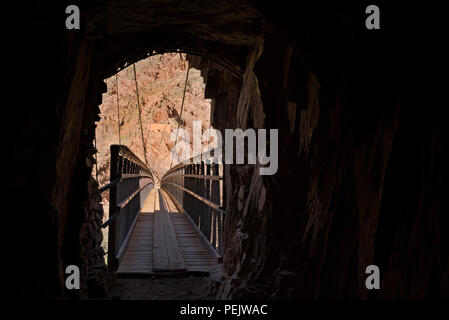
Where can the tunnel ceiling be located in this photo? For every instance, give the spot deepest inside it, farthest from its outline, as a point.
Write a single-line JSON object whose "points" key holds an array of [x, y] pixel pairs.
{"points": [[127, 31]]}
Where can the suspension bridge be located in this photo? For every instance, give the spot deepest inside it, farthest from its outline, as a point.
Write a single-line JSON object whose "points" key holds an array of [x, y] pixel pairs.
{"points": [[176, 228], [170, 227]]}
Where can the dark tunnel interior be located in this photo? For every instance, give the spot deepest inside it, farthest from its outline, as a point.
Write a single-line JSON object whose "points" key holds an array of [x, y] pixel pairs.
{"points": [[362, 174]]}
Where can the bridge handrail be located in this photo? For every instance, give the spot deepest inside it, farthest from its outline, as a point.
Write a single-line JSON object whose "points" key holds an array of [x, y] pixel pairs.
{"points": [[125, 152], [199, 189], [211, 204], [122, 204], [193, 160], [131, 181], [120, 179]]}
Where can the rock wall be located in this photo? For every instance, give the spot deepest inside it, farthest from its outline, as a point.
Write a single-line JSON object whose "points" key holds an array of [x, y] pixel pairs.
{"points": [[161, 80], [338, 202], [46, 109]]}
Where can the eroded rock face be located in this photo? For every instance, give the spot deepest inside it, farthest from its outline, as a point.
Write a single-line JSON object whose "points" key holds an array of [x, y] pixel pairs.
{"points": [[362, 175], [338, 202], [161, 80]]}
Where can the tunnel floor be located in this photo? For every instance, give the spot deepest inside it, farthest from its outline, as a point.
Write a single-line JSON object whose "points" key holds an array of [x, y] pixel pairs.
{"points": [[187, 288]]}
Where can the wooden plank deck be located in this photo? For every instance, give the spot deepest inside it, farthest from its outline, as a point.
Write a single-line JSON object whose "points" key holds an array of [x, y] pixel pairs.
{"points": [[167, 256], [196, 257], [164, 242]]}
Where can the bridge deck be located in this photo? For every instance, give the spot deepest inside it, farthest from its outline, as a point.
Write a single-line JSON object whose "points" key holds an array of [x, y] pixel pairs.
{"points": [[164, 242]]}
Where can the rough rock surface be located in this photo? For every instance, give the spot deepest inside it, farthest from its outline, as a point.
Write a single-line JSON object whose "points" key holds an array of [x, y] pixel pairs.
{"points": [[337, 203], [190, 288], [161, 81]]}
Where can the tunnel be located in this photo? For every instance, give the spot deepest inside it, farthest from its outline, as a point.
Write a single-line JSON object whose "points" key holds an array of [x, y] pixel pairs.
{"points": [[362, 173]]}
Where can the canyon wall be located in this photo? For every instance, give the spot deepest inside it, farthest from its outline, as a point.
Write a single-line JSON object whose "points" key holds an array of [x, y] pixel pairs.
{"points": [[161, 80]]}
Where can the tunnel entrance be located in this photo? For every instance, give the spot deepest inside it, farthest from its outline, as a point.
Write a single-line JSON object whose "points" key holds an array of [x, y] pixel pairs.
{"points": [[155, 237]]}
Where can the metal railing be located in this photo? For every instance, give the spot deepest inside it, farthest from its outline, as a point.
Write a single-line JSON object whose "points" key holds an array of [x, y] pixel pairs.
{"points": [[198, 189], [131, 182]]}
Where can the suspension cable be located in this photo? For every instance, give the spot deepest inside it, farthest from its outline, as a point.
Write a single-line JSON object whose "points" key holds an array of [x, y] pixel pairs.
{"points": [[182, 107], [96, 152], [140, 116], [118, 110]]}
